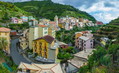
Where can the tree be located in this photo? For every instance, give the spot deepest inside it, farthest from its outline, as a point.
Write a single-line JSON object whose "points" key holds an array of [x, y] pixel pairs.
{"points": [[3, 69], [100, 60], [3, 43]]}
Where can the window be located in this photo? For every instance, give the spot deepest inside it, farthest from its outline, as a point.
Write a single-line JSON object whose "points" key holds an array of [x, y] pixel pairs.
{"points": [[46, 32], [91, 40], [45, 55], [84, 44], [40, 44], [91, 44], [5, 33], [45, 28]]}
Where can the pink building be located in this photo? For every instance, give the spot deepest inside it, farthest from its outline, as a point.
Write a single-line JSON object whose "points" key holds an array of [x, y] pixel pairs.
{"points": [[84, 41], [14, 20]]}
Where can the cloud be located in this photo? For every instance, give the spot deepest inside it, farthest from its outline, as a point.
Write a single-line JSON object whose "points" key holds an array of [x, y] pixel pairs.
{"points": [[107, 4], [77, 3], [102, 10]]}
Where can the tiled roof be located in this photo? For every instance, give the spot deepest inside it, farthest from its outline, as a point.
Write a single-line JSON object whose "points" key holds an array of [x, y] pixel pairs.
{"points": [[48, 38], [84, 32], [51, 22], [84, 38], [42, 25], [2, 29], [77, 62], [99, 23], [42, 68], [84, 54]]}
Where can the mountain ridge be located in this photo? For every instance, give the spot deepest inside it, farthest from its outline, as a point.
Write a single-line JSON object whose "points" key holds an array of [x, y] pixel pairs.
{"points": [[8, 10], [48, 9]]}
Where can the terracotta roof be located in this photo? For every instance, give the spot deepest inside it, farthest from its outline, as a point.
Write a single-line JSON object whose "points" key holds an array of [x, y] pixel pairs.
{"points": [[42, 26], [42, 68], [52, 22], [84, 32], [3, 29], [48, 38], [99, 22]]}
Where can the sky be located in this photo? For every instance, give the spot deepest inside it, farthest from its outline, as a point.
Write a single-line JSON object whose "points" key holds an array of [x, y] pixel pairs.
{"points": [[102, 10]]}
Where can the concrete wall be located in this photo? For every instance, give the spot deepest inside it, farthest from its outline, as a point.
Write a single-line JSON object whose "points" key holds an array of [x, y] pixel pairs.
{"points": [[31, 36], [40, 31], [51, 54], [36, 33]]}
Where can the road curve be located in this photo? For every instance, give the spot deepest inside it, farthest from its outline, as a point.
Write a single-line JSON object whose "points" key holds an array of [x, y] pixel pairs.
{"points": [[17, 58]]}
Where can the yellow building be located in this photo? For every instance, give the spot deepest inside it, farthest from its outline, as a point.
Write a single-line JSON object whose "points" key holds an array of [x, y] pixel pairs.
{"points": [[46, 47], [61, 25], [5, 33], [23, 43], [51, 31]]}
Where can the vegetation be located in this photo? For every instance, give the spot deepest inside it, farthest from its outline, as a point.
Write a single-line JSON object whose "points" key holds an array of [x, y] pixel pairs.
{"points": [[8, 10], [69, 35], [19, 26], [3, 43], [4, 57], [103, 61], [115, 22], [48, 9], [110, 31], [8, 61], [66, 54], [3, 69]]}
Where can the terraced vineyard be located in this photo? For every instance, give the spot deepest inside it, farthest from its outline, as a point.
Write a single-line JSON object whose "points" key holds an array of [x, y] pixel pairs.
{"points": [[110, 31]]}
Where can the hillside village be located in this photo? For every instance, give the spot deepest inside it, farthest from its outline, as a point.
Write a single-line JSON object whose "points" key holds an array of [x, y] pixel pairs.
{"points": [[64, 45], [38, 43]]}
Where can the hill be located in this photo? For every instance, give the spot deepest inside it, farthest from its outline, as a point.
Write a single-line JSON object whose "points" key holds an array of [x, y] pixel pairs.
{"points": [[8, 10], [48, 9], [115, 22], [110, 30]]}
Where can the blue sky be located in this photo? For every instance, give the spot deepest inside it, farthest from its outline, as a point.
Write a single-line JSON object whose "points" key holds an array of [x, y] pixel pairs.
{"points": [[102, 10]]}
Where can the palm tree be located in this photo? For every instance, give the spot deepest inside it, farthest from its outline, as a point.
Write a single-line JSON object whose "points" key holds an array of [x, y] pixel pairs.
{"points": [[3, 43]]}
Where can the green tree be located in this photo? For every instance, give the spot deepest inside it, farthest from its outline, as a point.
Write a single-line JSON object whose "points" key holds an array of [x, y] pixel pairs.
{"points": [[3, 43], [3, 69]]}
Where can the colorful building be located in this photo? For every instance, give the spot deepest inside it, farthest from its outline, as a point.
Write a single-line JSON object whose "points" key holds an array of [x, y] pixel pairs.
{"points": [[46, 47], [33, 22], [14, 20], [42, 30], [51, 31], [20, 21], [5, 33], [84, 40], [23, 43], [31, 18], [24, 18]]}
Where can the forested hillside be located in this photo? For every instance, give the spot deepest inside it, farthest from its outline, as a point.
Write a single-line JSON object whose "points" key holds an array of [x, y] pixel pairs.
{"points": [[48, 9], [8, 10]]}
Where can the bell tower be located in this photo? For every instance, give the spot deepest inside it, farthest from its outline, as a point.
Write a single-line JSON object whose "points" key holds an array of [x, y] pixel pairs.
{"points": [[56, 20]]}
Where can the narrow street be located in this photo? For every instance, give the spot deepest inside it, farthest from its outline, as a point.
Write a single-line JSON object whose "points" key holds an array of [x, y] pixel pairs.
{"points": [[17, 58]]}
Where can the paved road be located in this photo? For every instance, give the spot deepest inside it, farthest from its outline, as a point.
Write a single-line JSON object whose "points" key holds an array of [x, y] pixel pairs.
{"points": [[17, 58]]}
